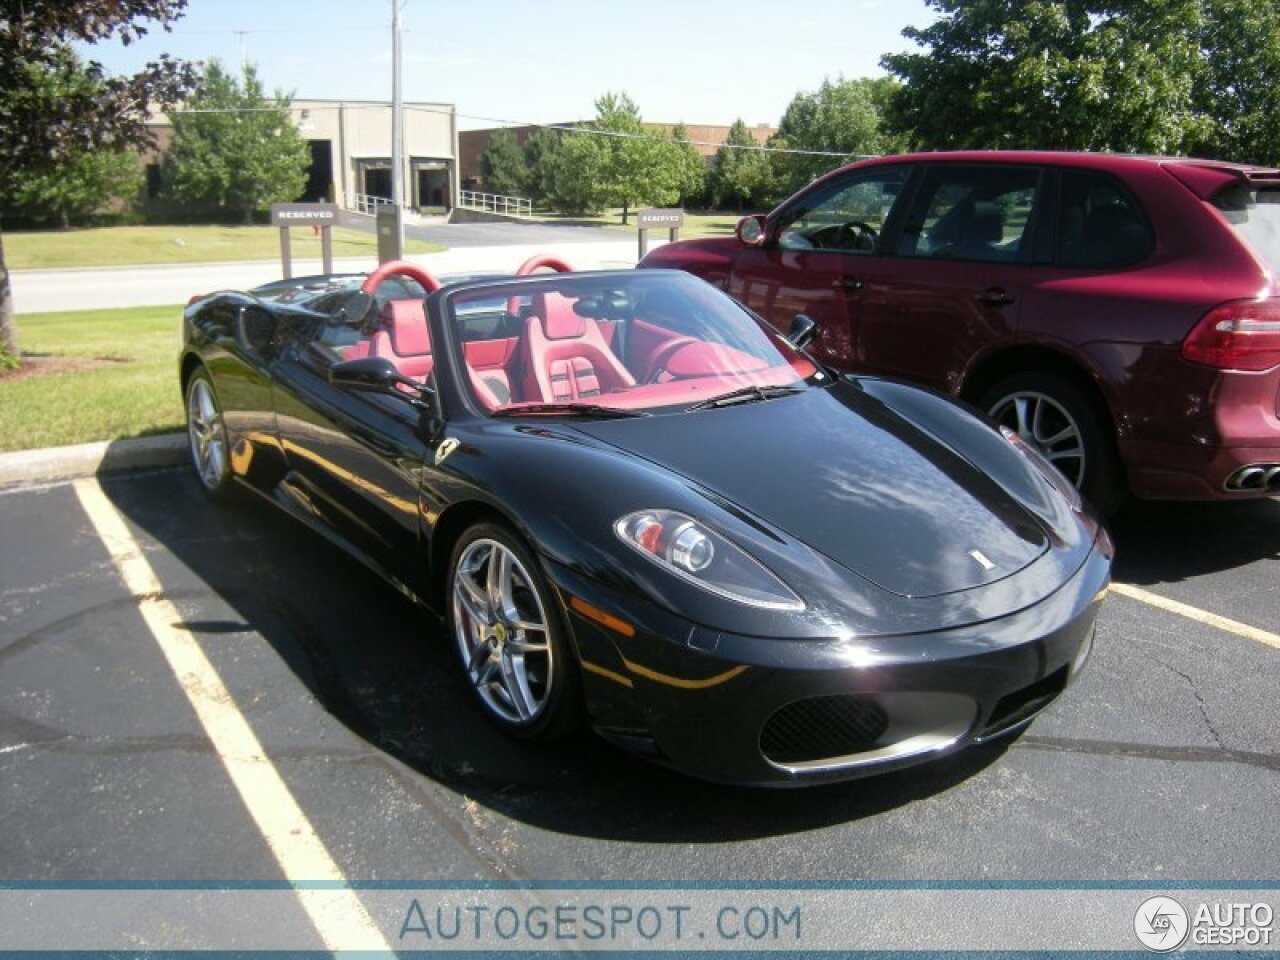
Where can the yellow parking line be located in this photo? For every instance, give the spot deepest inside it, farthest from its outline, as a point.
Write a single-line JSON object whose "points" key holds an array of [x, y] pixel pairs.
{"points": [[337, 913], [1195, 613]]}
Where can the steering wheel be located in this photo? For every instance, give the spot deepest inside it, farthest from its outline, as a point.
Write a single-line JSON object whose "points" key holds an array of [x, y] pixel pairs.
{"points": [[858, 235], [539, 260], [658, 362], [399, 268]]}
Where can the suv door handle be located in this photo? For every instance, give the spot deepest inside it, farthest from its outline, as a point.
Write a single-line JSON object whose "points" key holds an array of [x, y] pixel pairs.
{"points": [[995, 297], [851, 284]]}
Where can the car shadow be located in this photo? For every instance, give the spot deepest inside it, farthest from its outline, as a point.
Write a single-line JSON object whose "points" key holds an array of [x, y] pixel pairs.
{"points": [[1168, 542], [383, 667]]}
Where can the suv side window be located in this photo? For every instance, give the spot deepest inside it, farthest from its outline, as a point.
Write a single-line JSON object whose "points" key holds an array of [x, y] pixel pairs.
{"points": [[847, 215], [1099, 223], [973, 213]]}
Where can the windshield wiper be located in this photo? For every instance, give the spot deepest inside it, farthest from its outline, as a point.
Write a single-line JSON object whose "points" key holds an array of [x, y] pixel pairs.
{"points": [[752, 394], [569, 410]]}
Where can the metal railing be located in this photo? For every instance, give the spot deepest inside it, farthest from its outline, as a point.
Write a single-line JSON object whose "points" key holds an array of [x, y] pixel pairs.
{"points": [[364, 203], [496, 203]]}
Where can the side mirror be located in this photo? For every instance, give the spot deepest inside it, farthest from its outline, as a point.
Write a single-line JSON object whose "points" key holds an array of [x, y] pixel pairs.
{"points": [[378, 374], [750, 230], [803, 329]]}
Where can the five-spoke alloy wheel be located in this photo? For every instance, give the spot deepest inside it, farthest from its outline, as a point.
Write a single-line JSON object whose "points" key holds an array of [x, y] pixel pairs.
{"points": [[507, 632], [1058, 418]]}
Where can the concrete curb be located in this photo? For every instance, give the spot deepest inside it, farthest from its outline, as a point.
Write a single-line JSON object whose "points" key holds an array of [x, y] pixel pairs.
{"points": [[90, 459]]}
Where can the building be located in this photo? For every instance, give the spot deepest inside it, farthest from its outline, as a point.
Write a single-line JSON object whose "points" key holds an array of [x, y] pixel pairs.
{"points": [[351, 152], [350, 143]]}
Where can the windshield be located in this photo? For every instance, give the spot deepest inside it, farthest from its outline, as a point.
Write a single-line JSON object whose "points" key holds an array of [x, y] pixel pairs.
{"points": [[1254, 213], [637, 341]]}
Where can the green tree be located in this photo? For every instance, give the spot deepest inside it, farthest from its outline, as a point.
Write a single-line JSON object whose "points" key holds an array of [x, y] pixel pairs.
{"points": [[837, 123], [234, 148], [742, 174], [1056, 74], [614, 162], [1239, 89], [83, 185], [502, 165], [691, 169], [53, 107], [638, 170], [540, 152], [576, 174]]}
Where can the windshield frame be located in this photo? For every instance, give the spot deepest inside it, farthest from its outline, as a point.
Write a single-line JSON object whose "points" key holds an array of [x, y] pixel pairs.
{"points": [[793, 368]]}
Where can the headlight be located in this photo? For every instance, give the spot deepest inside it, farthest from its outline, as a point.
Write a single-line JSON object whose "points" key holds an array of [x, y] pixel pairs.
{"points": [[691, 551], [1046, 469]]}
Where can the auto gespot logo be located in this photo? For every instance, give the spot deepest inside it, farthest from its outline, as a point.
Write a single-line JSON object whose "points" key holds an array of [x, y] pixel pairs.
{"points": [[1163, 924]]}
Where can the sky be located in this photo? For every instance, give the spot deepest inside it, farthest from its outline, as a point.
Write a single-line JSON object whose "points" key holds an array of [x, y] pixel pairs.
{"points": [[543, 61]]}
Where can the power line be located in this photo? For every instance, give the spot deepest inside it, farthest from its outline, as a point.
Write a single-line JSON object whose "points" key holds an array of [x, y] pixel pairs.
{"points": [[562, 127]]}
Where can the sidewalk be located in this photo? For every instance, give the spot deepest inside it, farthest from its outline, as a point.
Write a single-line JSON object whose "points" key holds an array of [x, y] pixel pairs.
{"points": [[41, 291]]}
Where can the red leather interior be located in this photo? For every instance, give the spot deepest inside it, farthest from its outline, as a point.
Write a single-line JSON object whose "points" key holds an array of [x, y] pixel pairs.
{"points": [[490, 363], [404, 339], [568, 358]]}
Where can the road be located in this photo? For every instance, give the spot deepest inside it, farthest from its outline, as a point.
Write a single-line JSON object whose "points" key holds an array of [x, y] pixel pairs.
{"points": [[1162, 762], [472, 248]]}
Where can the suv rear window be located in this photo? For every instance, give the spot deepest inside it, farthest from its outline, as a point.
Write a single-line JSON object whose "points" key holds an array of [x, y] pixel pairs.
{"points": [[1254, 214], [1099, 224]]}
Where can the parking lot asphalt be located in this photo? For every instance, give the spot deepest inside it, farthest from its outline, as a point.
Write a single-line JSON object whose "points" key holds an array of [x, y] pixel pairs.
{"points": [[1161, 763]]}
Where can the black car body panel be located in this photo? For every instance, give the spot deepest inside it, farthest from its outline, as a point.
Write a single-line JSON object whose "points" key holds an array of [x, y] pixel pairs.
{"points": [[946, 583]]}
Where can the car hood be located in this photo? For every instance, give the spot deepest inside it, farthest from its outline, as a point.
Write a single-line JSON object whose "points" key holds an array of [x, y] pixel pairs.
{"points": [[845, 474]]}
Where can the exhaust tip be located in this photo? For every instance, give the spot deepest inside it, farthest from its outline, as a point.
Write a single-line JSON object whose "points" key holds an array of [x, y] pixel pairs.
{"points": [[1255, 477]]}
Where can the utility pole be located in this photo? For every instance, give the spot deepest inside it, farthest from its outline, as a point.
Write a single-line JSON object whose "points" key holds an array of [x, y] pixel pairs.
{"points": [[397, 128], [243, 60]]}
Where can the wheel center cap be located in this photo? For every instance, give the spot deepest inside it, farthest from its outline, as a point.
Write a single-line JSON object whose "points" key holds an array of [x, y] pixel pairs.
{"points": [[499, 634]]}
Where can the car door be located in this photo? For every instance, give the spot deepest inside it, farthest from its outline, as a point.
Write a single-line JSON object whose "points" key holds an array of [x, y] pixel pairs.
{"points": [[821, 250], [355, 457], [956, 274]]}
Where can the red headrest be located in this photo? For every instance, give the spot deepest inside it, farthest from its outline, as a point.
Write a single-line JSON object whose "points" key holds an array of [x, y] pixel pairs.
{"points": [[562, 323], [407, 324]]}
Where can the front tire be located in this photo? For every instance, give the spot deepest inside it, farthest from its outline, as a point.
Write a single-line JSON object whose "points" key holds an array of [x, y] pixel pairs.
{"points": [[207, 438], [509, 635], [1063, 422]]}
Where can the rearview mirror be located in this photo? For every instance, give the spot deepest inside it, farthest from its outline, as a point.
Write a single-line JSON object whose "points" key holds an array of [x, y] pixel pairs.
{"points": [[803, 330], [750, 231]]}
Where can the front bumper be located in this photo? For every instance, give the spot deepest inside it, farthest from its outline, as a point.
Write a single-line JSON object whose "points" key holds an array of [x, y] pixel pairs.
{"points": [[772, 711]]}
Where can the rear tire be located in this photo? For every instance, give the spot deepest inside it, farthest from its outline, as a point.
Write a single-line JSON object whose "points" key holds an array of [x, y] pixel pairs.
{"points": [[1065, 423], [207, 438]]}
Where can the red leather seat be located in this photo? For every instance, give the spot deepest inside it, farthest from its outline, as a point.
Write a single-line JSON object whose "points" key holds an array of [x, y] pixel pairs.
{"points": [[404, 339], [568, 356]]}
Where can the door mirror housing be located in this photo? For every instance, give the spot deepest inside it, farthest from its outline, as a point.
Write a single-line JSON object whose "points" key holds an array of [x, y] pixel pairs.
{"points": [[803, 329], [751, 230], [379, 375]]}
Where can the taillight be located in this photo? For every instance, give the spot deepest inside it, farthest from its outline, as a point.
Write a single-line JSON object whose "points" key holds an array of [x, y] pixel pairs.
{"points": [[197, 298], [1241, 335]]}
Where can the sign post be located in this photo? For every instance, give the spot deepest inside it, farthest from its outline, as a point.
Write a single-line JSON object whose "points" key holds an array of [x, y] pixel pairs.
{"points": [[317, 215], [389, 221], [657, 218]]}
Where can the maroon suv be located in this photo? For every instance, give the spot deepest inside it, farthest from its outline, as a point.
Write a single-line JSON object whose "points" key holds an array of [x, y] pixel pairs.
{"points": [[1122, 313]]}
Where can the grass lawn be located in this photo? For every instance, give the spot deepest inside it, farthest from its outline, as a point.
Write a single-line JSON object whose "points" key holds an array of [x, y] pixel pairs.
{"points": [[92, 375], [127, 246], [715, 224]]}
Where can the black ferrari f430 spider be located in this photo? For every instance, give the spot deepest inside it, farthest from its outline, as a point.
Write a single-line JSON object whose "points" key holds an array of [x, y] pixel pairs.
{"points": [[638, 506]]}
